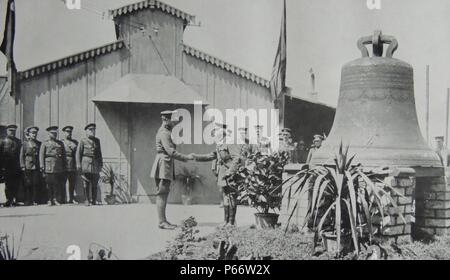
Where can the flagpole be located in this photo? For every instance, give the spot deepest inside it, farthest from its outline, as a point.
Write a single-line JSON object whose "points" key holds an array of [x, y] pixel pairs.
{"points": [[278, 79]]}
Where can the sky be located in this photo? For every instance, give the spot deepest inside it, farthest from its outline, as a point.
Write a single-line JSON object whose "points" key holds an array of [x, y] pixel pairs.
{"points": [[322, 35]]}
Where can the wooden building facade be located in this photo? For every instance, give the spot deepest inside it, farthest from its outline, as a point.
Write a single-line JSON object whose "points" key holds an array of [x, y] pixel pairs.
{"points": [[148, 58]]}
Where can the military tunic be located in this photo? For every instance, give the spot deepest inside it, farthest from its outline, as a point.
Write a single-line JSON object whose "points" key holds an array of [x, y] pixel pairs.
{"points": [[29, 162], [164, 165], [228, 159], [29, 155], [71, 146], [246, 150], [89, 157], [89, 160], [52, 159]]}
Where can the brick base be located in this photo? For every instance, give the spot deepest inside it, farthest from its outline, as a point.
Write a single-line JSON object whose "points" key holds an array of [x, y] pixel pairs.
{"points": [[398, 225], [433, 205]]}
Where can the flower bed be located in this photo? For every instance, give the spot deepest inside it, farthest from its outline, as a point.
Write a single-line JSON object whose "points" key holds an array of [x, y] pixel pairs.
{"points": [[275, 244]]}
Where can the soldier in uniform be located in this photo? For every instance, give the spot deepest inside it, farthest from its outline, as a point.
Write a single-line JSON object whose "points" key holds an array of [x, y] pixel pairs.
{"points": [[262, 143], [442, 151], [244, 142], [70, 145], [52, 158], [163, 170], [89, 160], [10, 157], [228, 158], [317, 143], [29, 162]]}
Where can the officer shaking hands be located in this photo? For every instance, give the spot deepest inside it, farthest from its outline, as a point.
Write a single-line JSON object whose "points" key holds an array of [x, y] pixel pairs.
{"points": [[228, 157], [163, 170]]}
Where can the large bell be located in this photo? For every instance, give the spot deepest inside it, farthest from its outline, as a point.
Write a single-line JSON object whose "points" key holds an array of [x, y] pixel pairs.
{"points": [[376, 112]]}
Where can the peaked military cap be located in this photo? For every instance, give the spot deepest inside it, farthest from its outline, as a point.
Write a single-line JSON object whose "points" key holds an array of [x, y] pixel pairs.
{"points": [[52, 128], [439, 137], [68, 128], [89, 126], [318, 137], [168, 113], [30, 128], [12, 127]]}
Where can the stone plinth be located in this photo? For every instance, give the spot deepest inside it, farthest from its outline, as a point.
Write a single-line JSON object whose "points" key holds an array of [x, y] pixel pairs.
{"points": [[398, 223], [433, 205]]}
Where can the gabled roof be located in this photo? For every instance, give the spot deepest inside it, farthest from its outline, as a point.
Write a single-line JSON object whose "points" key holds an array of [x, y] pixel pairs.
{"points": [[225, 66], [70, 60], [151, 4], [150, 89]]}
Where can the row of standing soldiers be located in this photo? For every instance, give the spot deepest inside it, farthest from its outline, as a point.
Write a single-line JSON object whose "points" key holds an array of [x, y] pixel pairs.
{"points": [[57, 162]]}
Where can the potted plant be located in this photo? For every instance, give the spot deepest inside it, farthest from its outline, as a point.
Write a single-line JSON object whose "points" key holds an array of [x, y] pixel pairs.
{"points": [[257, 183], [123, 193], [344, 202], [188, 178], [112, 178]]}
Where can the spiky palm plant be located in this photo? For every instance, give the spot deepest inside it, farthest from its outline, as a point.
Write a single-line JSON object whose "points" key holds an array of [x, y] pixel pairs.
{"points": [[343, 198]]}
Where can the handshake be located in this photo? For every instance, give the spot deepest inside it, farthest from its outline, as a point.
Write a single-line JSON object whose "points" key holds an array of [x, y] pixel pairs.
{"points": [[191, 157]]}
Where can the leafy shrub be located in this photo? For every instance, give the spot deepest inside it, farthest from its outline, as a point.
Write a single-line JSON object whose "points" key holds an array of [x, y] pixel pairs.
{"points": [[258, 181]]}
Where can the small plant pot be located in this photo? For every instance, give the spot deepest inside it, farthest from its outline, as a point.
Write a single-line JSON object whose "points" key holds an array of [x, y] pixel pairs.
{"points": [[186, 199], [266, 220], [330, 242], [110, 199]]}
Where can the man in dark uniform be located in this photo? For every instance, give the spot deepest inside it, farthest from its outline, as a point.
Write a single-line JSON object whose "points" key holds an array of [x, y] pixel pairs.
{"points": [[29, 162], [70, 145], [228, 158], [52, 159], [89, 161], [9, 155], [163, 170]]}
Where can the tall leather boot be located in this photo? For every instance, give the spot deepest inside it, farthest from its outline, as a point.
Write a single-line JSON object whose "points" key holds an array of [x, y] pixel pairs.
{"points": [[226, 212], [233, 210]]}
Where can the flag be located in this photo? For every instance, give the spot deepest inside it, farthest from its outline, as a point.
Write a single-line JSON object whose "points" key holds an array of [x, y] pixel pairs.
{"points": [[278, 79], [7, 47]]}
